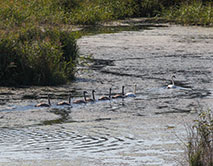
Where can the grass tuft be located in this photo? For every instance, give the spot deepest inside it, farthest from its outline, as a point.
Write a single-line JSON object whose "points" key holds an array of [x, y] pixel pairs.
{"points": [[200, 141]]}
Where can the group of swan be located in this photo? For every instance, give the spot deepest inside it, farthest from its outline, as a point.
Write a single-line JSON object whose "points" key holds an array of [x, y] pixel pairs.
{"points": [[86, 100]]}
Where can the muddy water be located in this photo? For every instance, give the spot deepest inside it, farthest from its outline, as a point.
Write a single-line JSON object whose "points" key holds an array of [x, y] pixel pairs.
{"points": [[146, 130]]}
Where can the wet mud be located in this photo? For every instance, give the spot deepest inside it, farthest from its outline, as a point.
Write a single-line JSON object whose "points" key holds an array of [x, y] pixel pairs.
{"points": [[146, 130]]}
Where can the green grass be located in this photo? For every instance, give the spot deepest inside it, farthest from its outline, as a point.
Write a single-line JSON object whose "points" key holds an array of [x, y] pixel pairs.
{"points": [[34, 49], [193, 13], [94, 11], [32, 56], [15, 13]]}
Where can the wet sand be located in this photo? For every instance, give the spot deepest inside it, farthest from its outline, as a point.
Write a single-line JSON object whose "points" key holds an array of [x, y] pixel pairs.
{"points": [[147, 130]]}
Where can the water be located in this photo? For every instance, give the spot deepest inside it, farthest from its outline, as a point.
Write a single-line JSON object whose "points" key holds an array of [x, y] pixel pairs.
{"points": [[145, 130]]}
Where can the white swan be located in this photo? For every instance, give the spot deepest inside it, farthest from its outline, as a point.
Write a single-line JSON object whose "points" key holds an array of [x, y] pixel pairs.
{"points": [[81, 101], [132, 94], [65, 102], [119, 95], [170, 86], [106, 97], [44, 104]]}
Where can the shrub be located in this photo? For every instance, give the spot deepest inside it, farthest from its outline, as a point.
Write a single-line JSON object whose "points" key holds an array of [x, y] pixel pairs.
{"points": [[38, 57]]}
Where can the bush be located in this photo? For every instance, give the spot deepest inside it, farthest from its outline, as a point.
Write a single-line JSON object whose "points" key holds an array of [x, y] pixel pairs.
{"points": [[37, 57], [200, 144]]}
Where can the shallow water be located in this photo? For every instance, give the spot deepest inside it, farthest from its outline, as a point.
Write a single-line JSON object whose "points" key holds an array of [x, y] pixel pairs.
{"points": [[146, 130]]}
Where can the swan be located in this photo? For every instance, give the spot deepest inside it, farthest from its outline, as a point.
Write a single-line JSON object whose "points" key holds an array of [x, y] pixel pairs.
{"points": [[170, 86], [80, 101], [93, 97], [106, 97], [132, 94], [119, 95], [65, 102], [44, 104]]}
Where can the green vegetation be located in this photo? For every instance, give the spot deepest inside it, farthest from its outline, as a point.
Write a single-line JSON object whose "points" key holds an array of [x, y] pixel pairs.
{"points": [[200, 145], [38, 57], [36, 47], [15, 13], [191, 13]]}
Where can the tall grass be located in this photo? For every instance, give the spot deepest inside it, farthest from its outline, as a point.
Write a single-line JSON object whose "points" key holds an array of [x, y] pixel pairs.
{"points": [[91, 12], [200, 141], [15, 13], [37, 57], [191, 13], [33, 48]]}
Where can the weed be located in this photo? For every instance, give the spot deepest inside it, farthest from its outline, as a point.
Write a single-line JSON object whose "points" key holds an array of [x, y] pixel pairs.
{"points": [[200, 141]]}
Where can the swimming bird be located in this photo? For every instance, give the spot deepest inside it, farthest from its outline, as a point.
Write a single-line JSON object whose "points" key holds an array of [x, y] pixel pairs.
{"points": [[170, 86], [131, 94], [81, 101], [119, 95], [65, 102], [44, 104], [106, 97], [93, 97]]}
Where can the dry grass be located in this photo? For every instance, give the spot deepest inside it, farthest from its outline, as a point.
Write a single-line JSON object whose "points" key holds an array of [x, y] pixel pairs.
{"points": [[200, 141]]}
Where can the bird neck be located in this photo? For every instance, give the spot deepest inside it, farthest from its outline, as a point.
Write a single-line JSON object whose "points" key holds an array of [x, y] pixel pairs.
{"points": [[123, 90], [69, 99], [85, 99], [134, 89], [49, 100], [93, 95], [173, 83]]}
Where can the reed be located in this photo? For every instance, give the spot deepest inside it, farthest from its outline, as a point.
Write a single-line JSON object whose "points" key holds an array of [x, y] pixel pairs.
{"points": [[200, 141]]}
